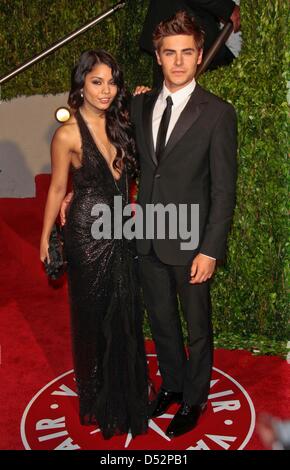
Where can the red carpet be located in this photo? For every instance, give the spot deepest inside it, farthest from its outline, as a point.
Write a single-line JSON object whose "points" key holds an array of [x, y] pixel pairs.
{"points": [[38, 406]]}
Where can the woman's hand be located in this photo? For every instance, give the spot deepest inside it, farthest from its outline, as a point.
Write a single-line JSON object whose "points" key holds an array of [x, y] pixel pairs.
{"points": [[60, 164], [44, 255], [141, 89]]}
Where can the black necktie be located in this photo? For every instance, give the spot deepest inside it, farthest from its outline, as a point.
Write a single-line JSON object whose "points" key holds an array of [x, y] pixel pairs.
{"points": [[163, 128]]}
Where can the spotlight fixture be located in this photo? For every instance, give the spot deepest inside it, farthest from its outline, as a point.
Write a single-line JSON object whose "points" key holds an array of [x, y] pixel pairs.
{"points": [[62, 114]]}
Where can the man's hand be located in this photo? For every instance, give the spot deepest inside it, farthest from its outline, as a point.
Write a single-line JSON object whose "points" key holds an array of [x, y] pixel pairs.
{"points": [[236, 19], [141, 89], [202, 269], [64, 206]]}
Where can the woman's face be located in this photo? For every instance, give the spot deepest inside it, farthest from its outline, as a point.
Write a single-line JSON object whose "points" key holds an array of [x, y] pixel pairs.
{"points": [[99, 88]]}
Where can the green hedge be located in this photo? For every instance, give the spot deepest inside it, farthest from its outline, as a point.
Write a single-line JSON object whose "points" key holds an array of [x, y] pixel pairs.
{"points": [[249, 293]]}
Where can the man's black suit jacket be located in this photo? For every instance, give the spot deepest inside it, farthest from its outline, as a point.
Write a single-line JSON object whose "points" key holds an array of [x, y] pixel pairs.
{"points": [[198, 166], [207, 13]]}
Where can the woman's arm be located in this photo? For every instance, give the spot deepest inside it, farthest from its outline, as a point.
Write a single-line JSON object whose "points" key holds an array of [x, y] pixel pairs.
{"points": [[60, 164]]}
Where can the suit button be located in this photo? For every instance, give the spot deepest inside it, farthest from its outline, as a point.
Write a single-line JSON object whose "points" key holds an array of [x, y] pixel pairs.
{"points": [[157, 175]]}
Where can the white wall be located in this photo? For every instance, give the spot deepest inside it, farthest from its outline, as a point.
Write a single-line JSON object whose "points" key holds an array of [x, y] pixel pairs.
{"points": [[27, 125]]}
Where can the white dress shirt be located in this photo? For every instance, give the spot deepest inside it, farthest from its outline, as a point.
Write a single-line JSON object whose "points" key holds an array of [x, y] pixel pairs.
{"points": [[180, 99], [234, 41]]}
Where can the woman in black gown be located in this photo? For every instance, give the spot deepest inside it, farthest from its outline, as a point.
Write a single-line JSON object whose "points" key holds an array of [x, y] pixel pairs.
{"points": [[106, 315]]}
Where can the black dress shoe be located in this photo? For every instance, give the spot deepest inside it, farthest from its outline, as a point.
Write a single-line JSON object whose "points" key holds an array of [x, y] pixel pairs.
{"points": [[164, 400], [185, 419]]}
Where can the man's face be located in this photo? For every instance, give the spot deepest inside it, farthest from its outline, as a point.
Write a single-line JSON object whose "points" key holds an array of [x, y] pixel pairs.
{"points": [[178, 57]]}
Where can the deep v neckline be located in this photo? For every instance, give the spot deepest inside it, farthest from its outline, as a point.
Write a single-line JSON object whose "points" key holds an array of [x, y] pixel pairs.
{"points": [[98, 149]]}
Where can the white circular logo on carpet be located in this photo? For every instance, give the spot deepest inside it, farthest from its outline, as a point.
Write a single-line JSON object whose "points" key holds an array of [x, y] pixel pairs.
{"points": [[50, 420]]}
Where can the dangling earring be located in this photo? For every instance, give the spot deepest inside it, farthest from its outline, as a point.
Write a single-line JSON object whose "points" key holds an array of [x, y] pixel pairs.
{"points": [[82, 95]]}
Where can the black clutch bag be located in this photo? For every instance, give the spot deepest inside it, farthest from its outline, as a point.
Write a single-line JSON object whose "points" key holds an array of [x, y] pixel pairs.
{"points": [[58, 264]]}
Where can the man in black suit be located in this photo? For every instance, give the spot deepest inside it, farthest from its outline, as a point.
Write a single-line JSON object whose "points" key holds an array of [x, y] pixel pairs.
{"points": [[186, 139], [207, 12]]}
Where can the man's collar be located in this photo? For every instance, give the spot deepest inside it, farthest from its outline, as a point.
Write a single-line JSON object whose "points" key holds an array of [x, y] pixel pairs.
{"points": [[179, 96]]}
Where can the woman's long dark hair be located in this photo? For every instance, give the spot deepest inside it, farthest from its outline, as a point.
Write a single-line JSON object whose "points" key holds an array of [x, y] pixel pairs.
{"points": [[118, 127]]}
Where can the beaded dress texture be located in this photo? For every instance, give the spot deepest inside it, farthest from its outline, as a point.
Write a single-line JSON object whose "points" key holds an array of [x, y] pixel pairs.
{"points": [[106, 311]]}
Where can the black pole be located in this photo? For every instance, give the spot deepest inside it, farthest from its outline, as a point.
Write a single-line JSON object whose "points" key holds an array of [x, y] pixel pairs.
{"points": [[221, 39], [60, 43]]}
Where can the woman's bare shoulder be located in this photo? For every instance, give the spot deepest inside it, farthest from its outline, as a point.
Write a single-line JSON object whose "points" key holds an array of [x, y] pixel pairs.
{"points": [[67, 131]]}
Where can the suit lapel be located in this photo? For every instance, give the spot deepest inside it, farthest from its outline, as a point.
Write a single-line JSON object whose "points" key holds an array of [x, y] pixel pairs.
{"points": [[148, 106], [186, 120]]}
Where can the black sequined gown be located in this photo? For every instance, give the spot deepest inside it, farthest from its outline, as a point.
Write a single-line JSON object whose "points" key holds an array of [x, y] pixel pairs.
{"points": [[106, 314]]}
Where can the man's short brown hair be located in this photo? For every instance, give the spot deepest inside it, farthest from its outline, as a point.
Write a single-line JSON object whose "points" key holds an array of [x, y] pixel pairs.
{"points": [[180, 23]]}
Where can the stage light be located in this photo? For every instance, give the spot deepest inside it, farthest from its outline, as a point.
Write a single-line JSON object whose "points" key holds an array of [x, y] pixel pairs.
{"points": [[62, 114]]}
